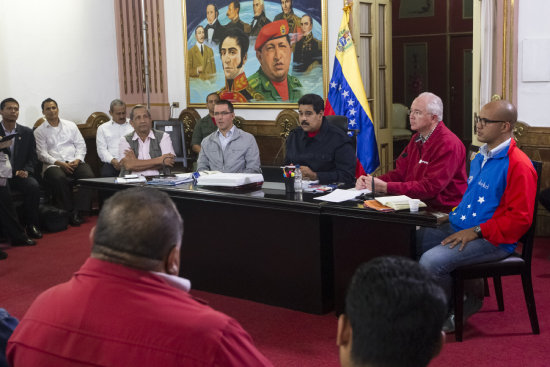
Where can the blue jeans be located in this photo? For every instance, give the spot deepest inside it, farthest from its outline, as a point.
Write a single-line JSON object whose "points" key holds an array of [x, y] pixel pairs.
{"points": [[442, 260]]}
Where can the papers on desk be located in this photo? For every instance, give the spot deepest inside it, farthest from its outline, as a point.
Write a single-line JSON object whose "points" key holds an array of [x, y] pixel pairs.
{"points": [[230, 179], [339, 195], [169, 181], [130, 179]]}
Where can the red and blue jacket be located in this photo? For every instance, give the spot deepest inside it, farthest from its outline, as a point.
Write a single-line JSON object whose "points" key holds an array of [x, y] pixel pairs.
{"points": [[500, 197]]}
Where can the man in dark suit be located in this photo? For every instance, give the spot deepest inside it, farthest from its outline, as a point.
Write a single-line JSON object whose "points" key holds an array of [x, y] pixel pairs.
{"points": [[23, 160], [213, 31], [233, 11]]}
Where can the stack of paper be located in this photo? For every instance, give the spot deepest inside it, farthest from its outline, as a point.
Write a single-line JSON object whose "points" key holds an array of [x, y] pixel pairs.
{"points": [[169, 181], [230, 179], [135, 179]]}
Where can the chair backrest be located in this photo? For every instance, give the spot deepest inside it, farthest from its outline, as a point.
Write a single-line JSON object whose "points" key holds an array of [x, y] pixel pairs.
{"points": [[343, 123], [529, 237], [174, 128], [189, 118], [470, 155], [339, 121], [399, 116]]}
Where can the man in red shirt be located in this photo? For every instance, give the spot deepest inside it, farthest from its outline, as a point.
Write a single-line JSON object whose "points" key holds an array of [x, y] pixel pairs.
{"points": [[126, 306], [432, 166]]}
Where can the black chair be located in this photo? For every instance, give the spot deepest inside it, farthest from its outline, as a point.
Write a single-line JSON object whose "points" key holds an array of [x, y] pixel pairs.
{"points": [[174, 128], [343, 123], [471, 153], [515, 264]]}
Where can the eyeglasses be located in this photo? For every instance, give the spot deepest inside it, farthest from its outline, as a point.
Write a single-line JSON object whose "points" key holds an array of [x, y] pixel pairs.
{"points": [[415, 113], [483, 121], [222, 113]]}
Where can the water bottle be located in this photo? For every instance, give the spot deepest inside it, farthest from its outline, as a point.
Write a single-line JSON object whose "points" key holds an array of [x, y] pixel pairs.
{"points": [[297, 179]]}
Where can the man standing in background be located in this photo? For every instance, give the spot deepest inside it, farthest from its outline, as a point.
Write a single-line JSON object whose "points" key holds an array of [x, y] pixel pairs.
{"points": [[206, 125]]}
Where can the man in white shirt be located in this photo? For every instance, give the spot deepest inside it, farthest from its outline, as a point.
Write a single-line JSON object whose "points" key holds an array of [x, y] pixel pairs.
{"points": [[145, 150], [108, 138], [61, 148]]}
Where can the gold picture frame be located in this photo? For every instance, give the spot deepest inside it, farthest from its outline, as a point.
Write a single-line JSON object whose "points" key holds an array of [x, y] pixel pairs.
{"points": [[204, 69]]}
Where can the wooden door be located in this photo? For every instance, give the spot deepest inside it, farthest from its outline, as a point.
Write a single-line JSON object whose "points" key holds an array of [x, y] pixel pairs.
{"points": [[460, 109]]}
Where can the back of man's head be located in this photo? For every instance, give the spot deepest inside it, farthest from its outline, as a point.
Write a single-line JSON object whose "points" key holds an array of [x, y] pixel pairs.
{"points": [[394, 315], [137, 227]]}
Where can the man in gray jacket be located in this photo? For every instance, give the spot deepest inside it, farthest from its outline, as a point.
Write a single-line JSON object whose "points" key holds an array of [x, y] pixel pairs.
{"points": [[228, 149]]}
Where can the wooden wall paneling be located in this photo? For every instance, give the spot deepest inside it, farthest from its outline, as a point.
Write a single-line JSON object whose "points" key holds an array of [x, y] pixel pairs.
{"points": [[535, 142], [131, 58]]}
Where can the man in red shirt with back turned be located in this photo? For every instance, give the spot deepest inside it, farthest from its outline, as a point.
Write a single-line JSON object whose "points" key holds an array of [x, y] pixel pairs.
{"points": [[126, 306]]}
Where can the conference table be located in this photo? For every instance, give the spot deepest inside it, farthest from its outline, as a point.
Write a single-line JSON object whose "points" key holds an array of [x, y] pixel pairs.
{"points": [[287, 250]]}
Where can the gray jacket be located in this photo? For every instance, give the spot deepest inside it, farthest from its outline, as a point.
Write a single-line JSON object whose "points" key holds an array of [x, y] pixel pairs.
{"points": [[241, 154]]}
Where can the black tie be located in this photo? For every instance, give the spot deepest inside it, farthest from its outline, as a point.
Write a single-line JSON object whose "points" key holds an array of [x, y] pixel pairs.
{"points": [[201, 51]]}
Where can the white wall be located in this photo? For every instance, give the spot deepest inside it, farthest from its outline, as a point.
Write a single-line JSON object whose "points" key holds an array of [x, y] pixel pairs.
{"points": [[63, 49], [176, 65], [533, 97]]}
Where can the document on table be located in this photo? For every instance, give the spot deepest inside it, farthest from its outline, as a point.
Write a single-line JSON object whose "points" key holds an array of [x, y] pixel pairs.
{"points": [[339, 195]]}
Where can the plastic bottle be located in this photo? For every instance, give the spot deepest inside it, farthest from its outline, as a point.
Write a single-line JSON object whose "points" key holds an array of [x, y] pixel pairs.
{"points": [[297, 179]]}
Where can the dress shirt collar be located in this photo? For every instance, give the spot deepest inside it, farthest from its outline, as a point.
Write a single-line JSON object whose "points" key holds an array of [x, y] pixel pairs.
{"points": [[228, 135], [8, 132], [50, 125], [114, 123], [484, 149], [150, 136], [424, 139], [175, 281]]}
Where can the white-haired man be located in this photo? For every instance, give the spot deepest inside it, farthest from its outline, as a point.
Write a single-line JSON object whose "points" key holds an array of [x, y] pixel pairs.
{"points": [[432, 166]]}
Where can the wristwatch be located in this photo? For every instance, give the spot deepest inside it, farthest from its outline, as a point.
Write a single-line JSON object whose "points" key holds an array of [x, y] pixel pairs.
{"points": [[477, 230]]}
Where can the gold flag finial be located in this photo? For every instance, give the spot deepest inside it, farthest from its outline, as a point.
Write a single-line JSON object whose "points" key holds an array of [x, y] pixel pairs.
{"points": [[347, 5]]}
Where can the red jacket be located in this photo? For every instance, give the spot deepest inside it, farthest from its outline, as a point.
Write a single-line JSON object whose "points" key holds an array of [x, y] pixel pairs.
{"points": [[112, 315], [433, 171]]}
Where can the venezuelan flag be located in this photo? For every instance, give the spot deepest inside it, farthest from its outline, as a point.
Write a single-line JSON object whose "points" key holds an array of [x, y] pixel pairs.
{"points": [[347, 97]]}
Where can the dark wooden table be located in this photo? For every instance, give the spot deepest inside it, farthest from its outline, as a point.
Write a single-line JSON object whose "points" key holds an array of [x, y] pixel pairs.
{"points": [[284, 250]]}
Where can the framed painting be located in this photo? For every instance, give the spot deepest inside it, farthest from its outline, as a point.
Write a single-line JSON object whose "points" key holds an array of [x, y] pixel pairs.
{"points": [[255, 53]]}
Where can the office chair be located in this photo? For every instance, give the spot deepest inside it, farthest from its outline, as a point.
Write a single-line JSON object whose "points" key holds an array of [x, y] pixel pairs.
{"points": [[174, 128], [343, 123]]}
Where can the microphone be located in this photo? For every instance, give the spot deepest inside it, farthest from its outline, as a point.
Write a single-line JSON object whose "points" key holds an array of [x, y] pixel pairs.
{"points": [[373, 188], [373, 193]]}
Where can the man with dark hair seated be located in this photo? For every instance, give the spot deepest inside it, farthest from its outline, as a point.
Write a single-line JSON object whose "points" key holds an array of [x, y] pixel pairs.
{"points": [[126, 306], [394, 315], [61, 148], [495, 211], [228, 149], [323, 151], [145, 150]]}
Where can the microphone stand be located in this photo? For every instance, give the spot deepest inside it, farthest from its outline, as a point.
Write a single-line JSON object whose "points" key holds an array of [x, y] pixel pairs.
{"points": [[166, 172], [373, 195]]}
